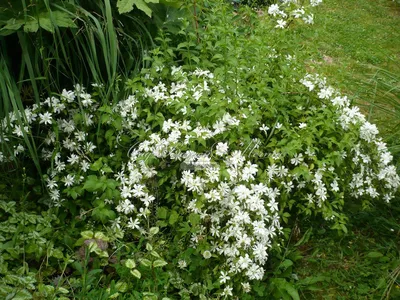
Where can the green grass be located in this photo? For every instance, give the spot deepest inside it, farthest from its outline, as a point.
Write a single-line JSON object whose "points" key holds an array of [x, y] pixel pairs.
{"points": [[353, 266], [356, 45], [350, 42], [350, 38]]}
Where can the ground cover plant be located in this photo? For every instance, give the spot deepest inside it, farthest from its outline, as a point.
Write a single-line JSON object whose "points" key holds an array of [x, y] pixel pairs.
{"points": [[190, 184]]}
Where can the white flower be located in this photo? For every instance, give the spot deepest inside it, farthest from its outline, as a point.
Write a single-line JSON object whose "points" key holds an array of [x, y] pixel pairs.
{"points": [[224, 277], [73, 159], [309, 19], [274, 10], [212, 174], [125, 207], [368, 131], [310, 85], [236, 160], [18, 149], [68, 126], [133, 224], [335, 186], [69, 96], [298, 13], [326, 92], [302, 125], [51, 184], [264, 128], [69, 180], [246, 287], [260, 253], [18, 130], [89, 147], [281, 24], [147, 199], [315, 2], [255, 272], [182, 264], [340, 101], [249, 171], [55, 195], [297, 159], [85, 166], [219, 127], [175, 70], [203, 161], [45, 118], [80, 136], [227, 291], [222, 149], [207, 254], [273, 205]]}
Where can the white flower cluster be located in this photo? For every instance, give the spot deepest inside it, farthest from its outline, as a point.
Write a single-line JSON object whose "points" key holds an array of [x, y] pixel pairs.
{"points": [[370, 149], [242, 213], [232, 187], [239, 214], [291, 9], [57, 115]]}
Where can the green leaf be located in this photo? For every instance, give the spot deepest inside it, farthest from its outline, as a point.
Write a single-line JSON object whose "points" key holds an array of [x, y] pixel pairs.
{"points": [[111, 183], [97, 164], [101, 236], [87, 234], [374, 254], [130, 263], [122, 286], [63, 19], [93, 183], [46, 23], [154, 230], [162, 213], [292, 291], [125, 6], [140, 4], [22, 295], [194, 219], [136, 273], [57, 253], [31, 26], [11, 26], [159, 263], [62, 290], [173, 217], [155, 254], [286, 264], [304, 239], [103, 214], [145, 262]]}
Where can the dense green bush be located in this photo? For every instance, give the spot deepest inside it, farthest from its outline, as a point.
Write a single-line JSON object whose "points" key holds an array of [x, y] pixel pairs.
{"points": [[46, 45]]}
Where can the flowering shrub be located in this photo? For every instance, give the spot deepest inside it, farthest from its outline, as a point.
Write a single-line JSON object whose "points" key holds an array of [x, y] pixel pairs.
{"points": [[214, 168], [288, 10]]}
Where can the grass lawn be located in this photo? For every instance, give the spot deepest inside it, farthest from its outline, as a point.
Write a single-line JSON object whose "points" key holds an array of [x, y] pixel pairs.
{"points": [[353, 38], [356, 45]]}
